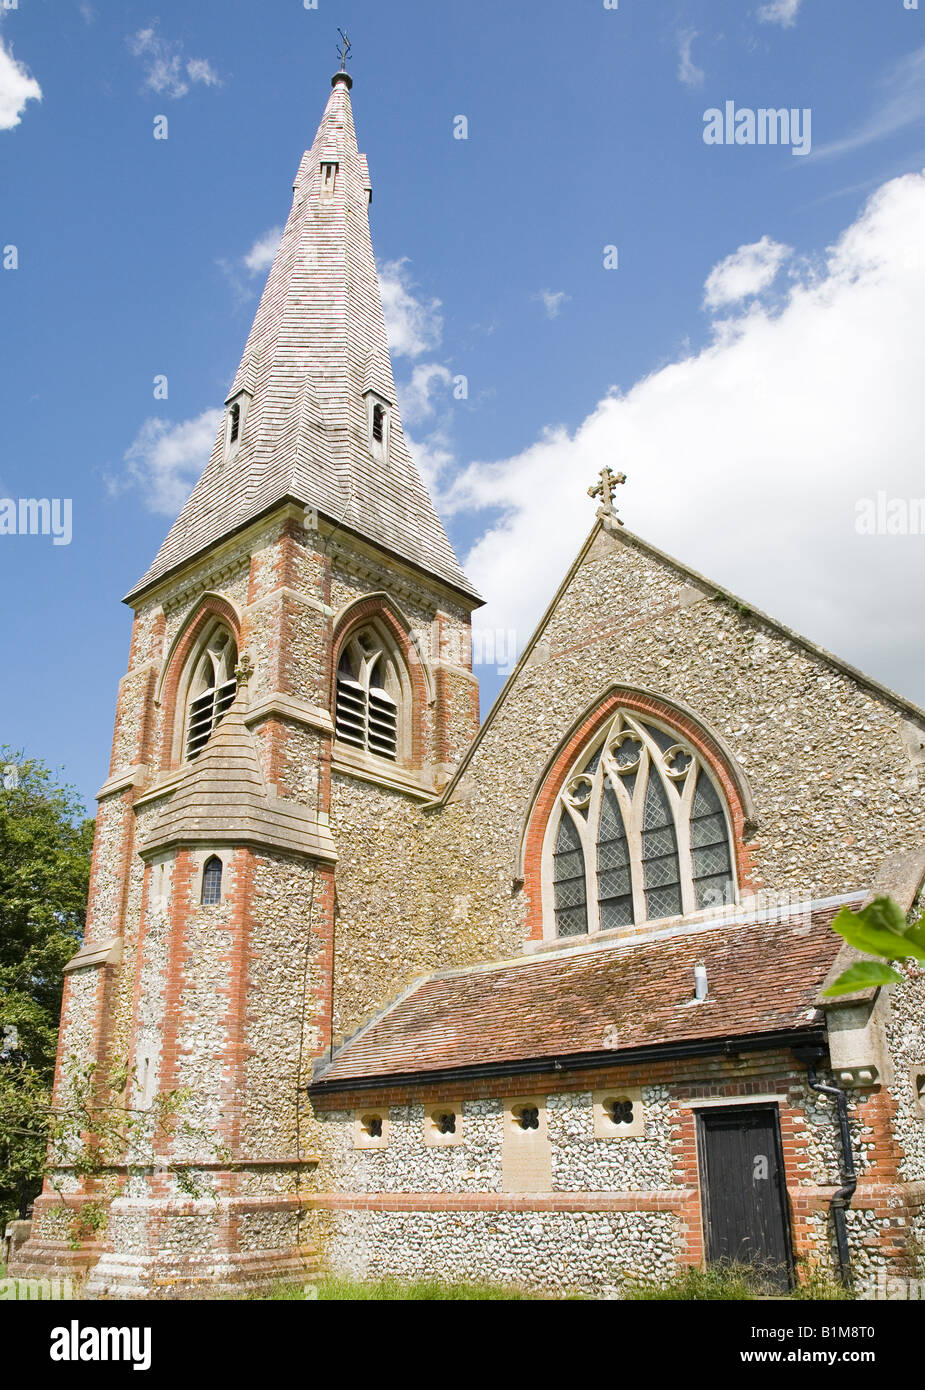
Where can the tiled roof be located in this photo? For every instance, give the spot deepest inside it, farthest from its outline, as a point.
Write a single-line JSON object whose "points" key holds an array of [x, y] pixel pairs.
{"points": [[763, 977], [318, 341]]}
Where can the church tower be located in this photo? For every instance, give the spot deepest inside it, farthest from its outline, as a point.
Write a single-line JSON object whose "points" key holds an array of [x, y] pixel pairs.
{"points": [[299, 681]]}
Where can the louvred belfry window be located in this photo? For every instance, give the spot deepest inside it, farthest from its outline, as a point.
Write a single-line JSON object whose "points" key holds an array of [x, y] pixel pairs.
{"points": [[368, 695], [212, 690], [640, 833]]}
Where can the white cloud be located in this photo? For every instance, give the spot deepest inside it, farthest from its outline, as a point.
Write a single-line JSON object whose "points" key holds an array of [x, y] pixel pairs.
{"points": [[242, 271], [782, 12], [902, 105], [746, 272], [688, 71], [165, 460], [17, 86], [747, 459], [414, 325], [260, 256], [552, 301], [87, 13], [416, 394], [167, 71], [434, 458]]}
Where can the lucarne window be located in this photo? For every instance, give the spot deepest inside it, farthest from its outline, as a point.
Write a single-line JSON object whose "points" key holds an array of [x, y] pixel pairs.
{"points": [[235, 427], [368, 691], [212, 881], [642, 833], [212, 690], [378, 423]]}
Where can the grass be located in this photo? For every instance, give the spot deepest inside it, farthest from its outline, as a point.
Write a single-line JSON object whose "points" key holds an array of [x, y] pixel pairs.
{"points": [[732, 1284], [717, 1283], [393, 1291]]}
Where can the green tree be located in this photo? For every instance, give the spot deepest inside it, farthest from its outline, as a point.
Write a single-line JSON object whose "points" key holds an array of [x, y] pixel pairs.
{"points": [[45, 844]]}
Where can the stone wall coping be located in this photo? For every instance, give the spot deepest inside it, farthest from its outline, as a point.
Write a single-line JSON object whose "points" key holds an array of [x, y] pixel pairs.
{"points": [[96, 953], [163, 787], [352, 764], [291, 708], [126, 777]]}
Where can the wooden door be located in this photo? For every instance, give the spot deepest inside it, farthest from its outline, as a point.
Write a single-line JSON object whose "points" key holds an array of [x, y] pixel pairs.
{"points": [[743, 1192]]}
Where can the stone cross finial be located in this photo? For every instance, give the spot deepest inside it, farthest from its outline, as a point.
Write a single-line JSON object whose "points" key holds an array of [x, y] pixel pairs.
{"points": [[605, 489]]}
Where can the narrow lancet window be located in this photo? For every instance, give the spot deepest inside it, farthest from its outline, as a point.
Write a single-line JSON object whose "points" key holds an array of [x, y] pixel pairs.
{"points": [[212, 881], [569, 881]]}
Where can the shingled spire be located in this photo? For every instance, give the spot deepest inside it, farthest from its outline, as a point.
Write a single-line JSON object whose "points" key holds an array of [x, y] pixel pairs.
{"points": [[299, 421]]}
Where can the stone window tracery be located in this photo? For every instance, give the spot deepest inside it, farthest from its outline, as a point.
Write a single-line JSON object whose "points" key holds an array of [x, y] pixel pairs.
{"points": [[211, 690], [640, 833], [368, 696]]}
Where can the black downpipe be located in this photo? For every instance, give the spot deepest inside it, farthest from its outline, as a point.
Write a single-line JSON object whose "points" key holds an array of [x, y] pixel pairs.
{"points": [[849, 1177]]}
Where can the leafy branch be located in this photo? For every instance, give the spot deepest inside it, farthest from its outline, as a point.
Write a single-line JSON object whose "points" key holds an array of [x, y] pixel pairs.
{"points": [[879, 929], [93, 1130]]}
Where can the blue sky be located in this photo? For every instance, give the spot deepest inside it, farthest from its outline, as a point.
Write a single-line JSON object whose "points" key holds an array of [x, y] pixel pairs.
{"points": [[754, 362]]}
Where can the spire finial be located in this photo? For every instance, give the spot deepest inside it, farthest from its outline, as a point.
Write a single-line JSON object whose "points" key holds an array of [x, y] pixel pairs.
{"points": [[604, 489], [342, 76]]}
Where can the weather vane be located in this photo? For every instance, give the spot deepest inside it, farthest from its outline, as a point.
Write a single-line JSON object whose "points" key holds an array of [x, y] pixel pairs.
{"points": [[343, 50], [605, 490]]}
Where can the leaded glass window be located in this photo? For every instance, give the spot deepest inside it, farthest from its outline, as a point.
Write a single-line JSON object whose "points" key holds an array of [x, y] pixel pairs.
{"points": [[709, 845], [641, 834], [212, 881], [569, 861], [660, 854]]}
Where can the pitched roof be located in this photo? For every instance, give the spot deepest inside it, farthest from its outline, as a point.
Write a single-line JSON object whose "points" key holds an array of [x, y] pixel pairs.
{"points": [[710, 588], [223, 799], [763, 977], [317, 344]]}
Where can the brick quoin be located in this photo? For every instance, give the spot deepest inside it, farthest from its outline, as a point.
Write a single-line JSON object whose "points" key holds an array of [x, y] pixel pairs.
{"points": [[545, 802]]}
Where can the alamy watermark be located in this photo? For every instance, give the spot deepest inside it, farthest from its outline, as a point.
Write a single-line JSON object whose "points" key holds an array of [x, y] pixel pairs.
{"points": [[37, 516], [36, 1290], [768, 125], [889, 516], [894, 1287]]}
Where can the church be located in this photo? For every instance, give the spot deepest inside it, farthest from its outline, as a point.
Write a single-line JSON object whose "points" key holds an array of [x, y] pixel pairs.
{"points": [[537, 1002]]}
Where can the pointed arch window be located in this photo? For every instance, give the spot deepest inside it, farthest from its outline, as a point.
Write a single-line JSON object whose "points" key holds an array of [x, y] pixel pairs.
{"points": [[212, 689], [368, 699], [211, 881], [640, 833]]}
